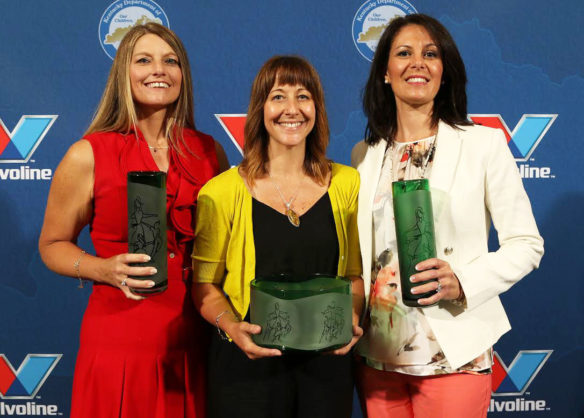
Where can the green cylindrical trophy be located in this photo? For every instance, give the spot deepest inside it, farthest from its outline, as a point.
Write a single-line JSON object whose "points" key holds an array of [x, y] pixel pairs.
{"points": [[147, 224], [414, 228], [312, 314]]}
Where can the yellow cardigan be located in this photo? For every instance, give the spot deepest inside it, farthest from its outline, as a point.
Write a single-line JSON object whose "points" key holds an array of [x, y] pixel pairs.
{"points": [[224, 249]]}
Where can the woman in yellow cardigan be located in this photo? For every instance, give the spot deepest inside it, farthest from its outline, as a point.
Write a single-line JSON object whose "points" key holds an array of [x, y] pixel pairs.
{"points": [[285, 209]]}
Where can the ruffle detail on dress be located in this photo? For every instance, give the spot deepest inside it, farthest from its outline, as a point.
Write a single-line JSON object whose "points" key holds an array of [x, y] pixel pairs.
{"points": [[195, 166], [189, 171]]}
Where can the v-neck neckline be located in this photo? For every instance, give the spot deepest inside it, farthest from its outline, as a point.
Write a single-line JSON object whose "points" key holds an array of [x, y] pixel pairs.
{"points": [[300, 216]]}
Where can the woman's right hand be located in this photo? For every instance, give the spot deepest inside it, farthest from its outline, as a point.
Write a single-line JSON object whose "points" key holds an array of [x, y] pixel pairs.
{"points": [[116, 270], [212, 304], [241, 332]]}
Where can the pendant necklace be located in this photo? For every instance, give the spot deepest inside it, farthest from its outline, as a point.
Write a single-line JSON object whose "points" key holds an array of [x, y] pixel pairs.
{"points": [[292, 216], [155, 149]]}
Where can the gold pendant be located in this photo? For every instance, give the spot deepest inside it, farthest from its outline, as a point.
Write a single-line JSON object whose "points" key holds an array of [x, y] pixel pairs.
{"points": [[293, 217]]}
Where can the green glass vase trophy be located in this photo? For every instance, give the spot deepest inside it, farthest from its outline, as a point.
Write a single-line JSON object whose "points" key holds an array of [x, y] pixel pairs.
{"points": [[414, 228], [310, 314], [147, 224]]}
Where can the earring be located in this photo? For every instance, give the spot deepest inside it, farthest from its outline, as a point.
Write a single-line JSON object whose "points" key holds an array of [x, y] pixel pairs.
{"points": [[386, 80]]}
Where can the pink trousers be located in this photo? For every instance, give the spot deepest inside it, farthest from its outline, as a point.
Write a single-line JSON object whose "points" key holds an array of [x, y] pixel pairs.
{"points": [[395, 395]]}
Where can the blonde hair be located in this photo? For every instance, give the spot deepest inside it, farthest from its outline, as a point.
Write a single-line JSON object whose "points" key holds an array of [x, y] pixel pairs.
{"points": [[116, 111], [285, 70]]}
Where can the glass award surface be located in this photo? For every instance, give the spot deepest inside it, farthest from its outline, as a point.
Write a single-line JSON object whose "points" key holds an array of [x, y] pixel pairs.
{"points": [[147, 224], [414, 227], [302, 314]]}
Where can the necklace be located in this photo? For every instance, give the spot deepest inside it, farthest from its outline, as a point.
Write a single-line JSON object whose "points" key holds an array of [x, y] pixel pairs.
{"points": [[155, 149], [292, 216]]}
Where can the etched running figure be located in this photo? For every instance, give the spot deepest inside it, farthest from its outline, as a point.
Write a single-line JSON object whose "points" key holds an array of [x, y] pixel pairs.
{"points": [[418, 239], [333, 322], [145, 235], [278, 325]]}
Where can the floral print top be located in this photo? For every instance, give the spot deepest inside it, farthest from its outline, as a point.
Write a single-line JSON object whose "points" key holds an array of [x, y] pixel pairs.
{"points": [[398, 338]]}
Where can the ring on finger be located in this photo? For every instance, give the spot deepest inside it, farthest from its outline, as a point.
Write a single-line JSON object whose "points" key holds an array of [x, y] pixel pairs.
{"points": [[123, 283], [439, 288]]}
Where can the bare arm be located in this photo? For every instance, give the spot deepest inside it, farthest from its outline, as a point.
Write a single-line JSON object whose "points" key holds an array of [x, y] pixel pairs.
{"points": [[69, 210], [211, 302]]}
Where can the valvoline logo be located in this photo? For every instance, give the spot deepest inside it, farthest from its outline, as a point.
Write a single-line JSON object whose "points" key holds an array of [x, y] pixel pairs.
{"points": [[526, 136], [513, 380], [25, 382], [19, 145]]}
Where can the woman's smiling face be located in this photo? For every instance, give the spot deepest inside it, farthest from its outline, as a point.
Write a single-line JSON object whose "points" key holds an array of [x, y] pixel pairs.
{"points": [[289, 114], [414, 68], [155, 73]]}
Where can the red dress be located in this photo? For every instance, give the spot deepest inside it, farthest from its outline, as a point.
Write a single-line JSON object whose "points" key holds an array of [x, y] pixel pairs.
{"points": [[143, 358]]}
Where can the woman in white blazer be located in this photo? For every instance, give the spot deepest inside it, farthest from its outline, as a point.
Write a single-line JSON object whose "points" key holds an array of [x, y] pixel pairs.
{"points": [[435, 360]]}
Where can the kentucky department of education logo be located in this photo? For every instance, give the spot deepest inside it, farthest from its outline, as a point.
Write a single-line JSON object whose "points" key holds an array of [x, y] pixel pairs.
{"points": [[371, 20], [121, 16]]}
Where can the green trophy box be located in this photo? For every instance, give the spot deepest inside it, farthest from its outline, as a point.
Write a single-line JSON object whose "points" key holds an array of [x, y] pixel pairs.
{"points": [[302, 314]]}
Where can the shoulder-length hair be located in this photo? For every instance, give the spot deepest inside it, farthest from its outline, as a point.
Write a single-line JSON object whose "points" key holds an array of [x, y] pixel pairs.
{"points": [[285, 70], [116, 111], [378, 99]]}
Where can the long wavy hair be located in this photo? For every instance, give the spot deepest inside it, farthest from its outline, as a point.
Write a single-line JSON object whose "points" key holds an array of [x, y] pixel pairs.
{"points": [[116, 111], [378, 99], [285, 70]]}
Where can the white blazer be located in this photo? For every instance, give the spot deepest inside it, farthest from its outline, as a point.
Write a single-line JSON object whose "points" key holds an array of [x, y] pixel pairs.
{"points": [[474, 180]]}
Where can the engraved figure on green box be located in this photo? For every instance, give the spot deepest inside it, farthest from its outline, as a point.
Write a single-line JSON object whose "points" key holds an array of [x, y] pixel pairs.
{"points": [[145, 236], [418, 239], [333, 322], [278, 325]]}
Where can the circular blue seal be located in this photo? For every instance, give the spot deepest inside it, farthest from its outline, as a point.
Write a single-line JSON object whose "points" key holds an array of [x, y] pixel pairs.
{"points": [[371, 20], [121, 16]]}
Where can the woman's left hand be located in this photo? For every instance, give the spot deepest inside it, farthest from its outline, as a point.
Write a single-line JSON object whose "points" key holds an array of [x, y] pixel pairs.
{"points": [[435, 268], [357, 333], [358, 292]]}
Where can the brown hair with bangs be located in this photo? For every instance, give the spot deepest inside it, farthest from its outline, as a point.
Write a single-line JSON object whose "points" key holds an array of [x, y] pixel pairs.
{"points": [[285, 70]]}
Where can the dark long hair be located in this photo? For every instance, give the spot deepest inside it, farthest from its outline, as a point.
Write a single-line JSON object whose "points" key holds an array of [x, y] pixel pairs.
{"points": [[378, 99], [290, 70]]}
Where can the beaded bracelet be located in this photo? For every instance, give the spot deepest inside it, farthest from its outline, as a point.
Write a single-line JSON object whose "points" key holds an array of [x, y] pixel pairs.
{"points": [[222, 333]]}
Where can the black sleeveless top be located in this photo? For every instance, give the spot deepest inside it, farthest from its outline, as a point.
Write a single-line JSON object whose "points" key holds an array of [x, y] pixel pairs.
{"points": [[280, 247]]}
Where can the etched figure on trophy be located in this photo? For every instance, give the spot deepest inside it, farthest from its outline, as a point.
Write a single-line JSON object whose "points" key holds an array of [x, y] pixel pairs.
{"points": [[419, 238], [278, 325], [145, 235], [333, 322]]}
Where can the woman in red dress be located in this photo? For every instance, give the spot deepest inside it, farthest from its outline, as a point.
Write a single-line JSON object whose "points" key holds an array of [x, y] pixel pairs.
{"points": [[139, 356]]}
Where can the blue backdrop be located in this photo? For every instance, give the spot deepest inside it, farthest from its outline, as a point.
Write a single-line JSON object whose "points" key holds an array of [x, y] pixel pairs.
{"points": [[523, 58]]}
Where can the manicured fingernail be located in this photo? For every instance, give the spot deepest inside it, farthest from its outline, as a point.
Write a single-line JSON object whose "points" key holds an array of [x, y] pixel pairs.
{"points": [[153, 270], [151, 284], [412, 278], [417, 267], [414, 291], [146, 258]]}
